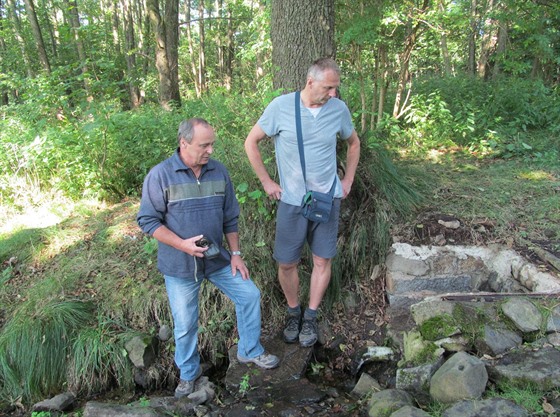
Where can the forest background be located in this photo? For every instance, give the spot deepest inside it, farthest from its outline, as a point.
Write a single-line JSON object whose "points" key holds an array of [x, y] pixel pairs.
{"points": [[456, 103]]}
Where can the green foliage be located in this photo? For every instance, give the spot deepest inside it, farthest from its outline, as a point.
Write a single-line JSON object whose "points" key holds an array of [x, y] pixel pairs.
{"points": [[34, 347], [98, 360], [244, 384], [467, 111], [528, 395]]}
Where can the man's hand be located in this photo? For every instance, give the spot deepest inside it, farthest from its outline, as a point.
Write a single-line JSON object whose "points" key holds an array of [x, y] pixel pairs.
{"points": [[192, 248], [272, 189], [237, 264]]}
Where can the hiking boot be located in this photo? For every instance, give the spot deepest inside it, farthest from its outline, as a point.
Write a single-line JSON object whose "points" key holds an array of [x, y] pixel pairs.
{"points": [[291, 331], [308, 334], [187, 387], [266, 360]]}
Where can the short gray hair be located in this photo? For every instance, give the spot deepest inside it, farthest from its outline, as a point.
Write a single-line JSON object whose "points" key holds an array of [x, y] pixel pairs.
{"points": [[186, 129], [317, 70]]}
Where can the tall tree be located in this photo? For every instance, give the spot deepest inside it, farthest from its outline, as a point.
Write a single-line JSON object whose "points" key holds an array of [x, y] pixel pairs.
{"points": [[74, 18], [130, 56], [37, 35], [202, 48], [18, 32], [415, 23], [301, 32], [169, 96]]}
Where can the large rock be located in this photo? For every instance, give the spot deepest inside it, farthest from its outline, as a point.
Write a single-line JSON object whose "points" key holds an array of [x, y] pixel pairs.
{"points": [[462, 376], [384, 403], [522, 366], [494, 407]]}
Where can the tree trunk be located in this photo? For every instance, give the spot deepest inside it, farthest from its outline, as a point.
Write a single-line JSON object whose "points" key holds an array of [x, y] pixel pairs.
{"points": [[383, 81], [37, 35], [201, 54], [130, 56], [74, 17], [500, 48], [229, 52], [190, 42], [172, 45], [12, 12], [443, 44], [410, 43], [487, 44], [301, 32], [471, 60], [168, 92]]}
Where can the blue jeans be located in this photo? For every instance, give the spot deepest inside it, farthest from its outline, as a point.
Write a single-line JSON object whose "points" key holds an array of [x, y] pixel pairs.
{"points": [[183, 299]]}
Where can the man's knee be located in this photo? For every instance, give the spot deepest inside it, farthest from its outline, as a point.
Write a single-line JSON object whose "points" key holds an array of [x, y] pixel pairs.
{"points": [[287, 268]]}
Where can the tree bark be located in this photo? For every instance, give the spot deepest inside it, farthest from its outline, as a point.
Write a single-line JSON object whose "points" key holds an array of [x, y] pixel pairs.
{"points": [[12, 12], [190, 42], [37, 35], [301, 32], [487, 44], [172, 45], [130, 56], [471, 60], [168, 91], [201, 52], [74, 17]]}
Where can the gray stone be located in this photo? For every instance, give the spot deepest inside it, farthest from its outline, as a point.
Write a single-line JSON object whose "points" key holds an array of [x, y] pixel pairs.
{"points": [[365, 385], [142, 350], [430, 308], [60, 402], [462, 376], [96, 409], [384, 403], [554, 339], [522, 366], [416, 381], [496, 341], [409, 411], [524, 314], [165, 333], [495, 407], [553, 322]]}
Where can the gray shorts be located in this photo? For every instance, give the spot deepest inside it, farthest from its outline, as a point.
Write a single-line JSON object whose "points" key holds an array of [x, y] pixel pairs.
{"points": [[293, 230]]}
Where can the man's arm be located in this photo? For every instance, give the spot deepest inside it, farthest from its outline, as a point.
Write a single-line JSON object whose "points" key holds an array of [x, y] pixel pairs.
{"points": [[271, 188], [352, 159]]}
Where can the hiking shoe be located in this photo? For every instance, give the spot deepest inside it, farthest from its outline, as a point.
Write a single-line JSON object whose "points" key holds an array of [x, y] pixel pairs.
{"points": [[266, 360], [187, 387], [308, 334], [291, 331]]}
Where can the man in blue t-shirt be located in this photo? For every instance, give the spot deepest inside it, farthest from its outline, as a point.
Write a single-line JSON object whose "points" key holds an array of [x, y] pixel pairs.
{"points": [[324, 119]]}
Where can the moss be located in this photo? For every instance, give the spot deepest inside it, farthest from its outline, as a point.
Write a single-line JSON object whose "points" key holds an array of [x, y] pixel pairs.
{"points": [[418, 351], [439, 327], [470, 320]]}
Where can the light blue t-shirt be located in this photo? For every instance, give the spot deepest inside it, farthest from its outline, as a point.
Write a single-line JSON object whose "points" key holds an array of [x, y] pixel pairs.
{"points": [[320, 134]]}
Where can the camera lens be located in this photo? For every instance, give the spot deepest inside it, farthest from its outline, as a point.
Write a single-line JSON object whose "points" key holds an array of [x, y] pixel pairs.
{"points": [[202, 243]]}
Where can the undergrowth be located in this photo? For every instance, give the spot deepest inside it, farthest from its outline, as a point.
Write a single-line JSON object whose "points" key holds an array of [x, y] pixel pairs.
{"points": [[81, 280]]}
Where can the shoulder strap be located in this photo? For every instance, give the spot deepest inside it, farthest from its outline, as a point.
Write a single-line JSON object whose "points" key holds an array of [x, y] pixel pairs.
{"points": [[299, 135]]}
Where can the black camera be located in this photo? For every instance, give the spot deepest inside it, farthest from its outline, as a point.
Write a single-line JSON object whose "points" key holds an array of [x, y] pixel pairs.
{"points": [[212, 251]]}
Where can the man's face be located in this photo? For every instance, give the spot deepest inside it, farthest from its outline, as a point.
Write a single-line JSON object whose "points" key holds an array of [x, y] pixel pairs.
{"points": [[323, 90], [197, 153]]}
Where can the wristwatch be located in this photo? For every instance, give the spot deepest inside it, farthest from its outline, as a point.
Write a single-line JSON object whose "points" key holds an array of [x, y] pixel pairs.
{"points": [[236, 252]]}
